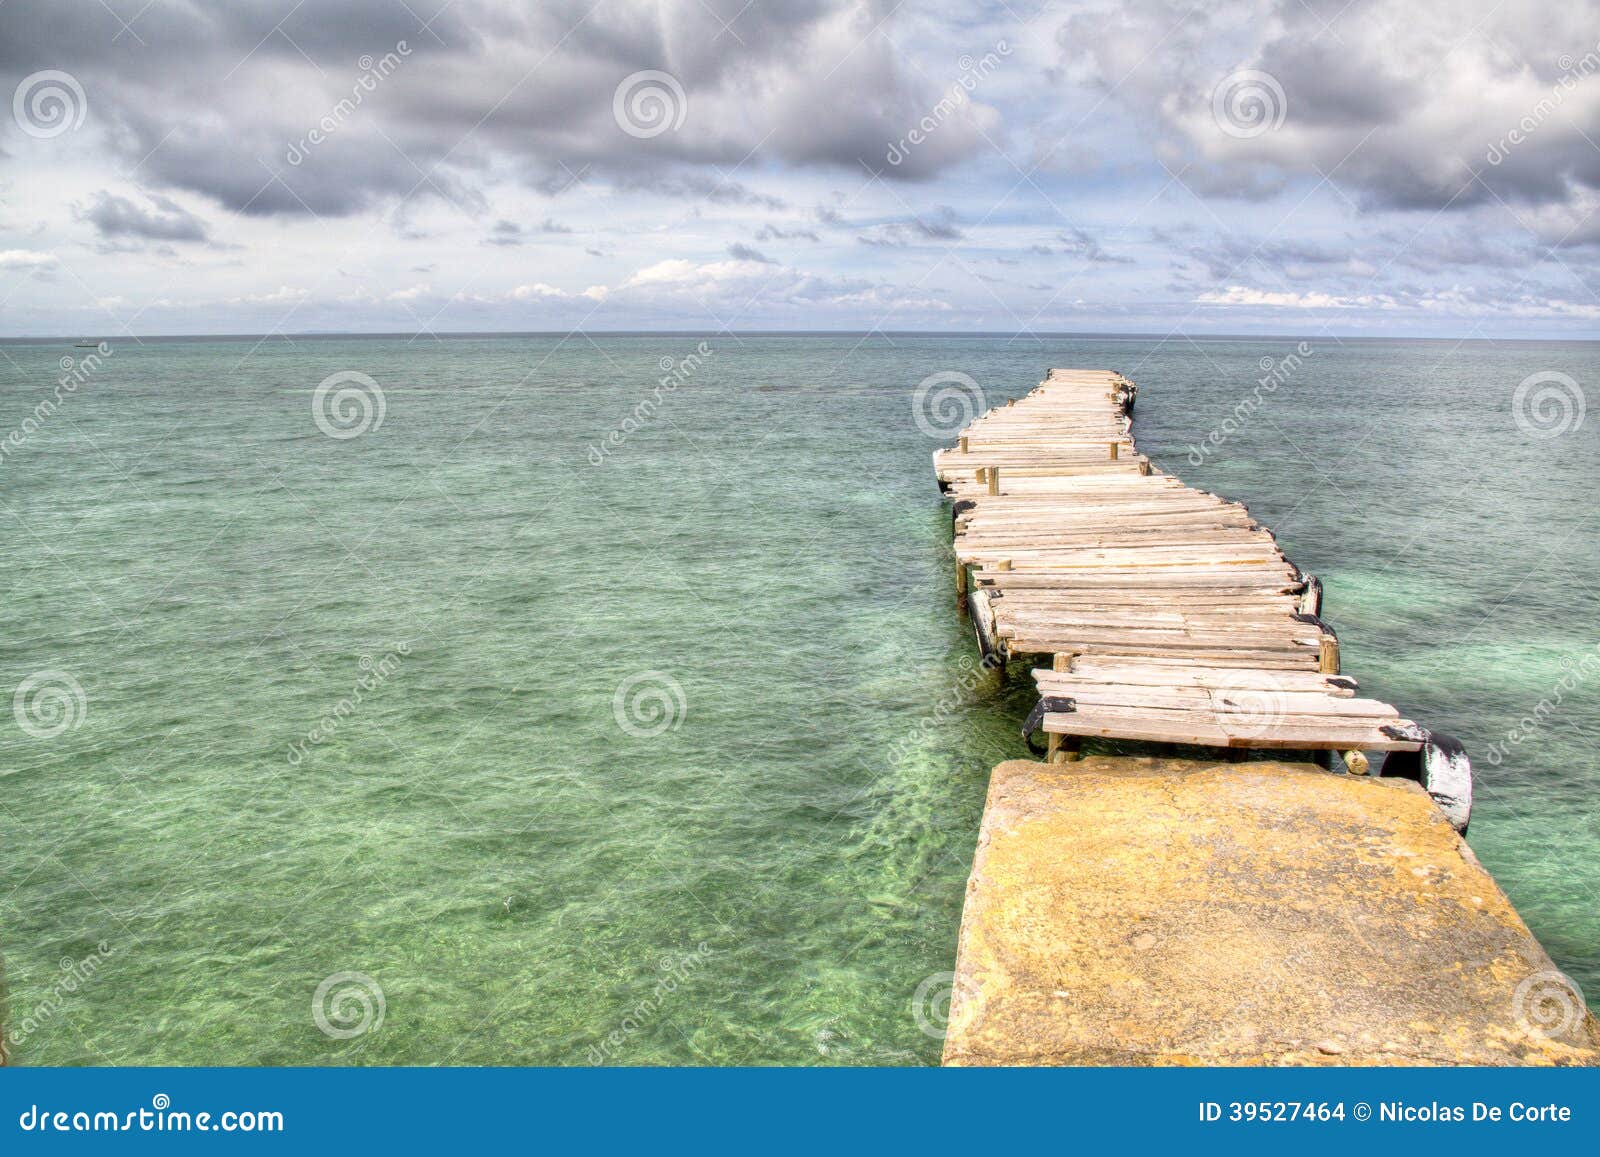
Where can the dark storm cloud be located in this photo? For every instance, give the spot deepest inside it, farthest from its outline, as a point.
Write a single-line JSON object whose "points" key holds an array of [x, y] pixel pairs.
{"points": [[1079, 243], [940, 225], [742, 252], [770, 232], [1410, 104], [228, 100], [692, 185], [509, 233], [116, 218]]}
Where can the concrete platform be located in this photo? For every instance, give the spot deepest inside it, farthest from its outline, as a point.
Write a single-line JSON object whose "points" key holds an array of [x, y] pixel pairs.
{"points": [[1172, 912]]}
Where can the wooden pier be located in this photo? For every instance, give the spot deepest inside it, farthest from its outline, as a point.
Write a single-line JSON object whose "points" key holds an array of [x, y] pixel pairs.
{"points": [[1183, 908], [1160, 612]]}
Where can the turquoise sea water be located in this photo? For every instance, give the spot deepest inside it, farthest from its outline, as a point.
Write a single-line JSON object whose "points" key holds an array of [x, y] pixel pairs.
{"points": [[350, 705]]}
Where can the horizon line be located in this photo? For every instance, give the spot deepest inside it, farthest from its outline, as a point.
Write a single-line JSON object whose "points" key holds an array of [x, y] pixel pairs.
{"points": [[1112, 335]]}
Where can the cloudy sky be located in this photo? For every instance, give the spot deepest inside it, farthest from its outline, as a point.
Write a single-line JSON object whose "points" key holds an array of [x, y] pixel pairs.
{"points": [[1421, 167]]}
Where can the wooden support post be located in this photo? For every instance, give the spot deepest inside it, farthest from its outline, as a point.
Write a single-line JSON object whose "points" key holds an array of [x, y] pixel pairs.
{"points": [[1071, 749], [1115, 448], [1356, 761], [1328, 657], [994, 480], [1063, 661], [964, 446], [1144, 467], [1052, 748], [1003, 564], [961, 583]]}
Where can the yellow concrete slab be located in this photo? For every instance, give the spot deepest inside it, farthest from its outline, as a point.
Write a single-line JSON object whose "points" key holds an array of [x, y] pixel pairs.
{"points": [[1156, 911]]}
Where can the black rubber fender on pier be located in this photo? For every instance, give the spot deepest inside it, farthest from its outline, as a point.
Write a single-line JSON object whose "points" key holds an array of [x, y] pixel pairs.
{"points": [[1441, 767], [1048, 705]]}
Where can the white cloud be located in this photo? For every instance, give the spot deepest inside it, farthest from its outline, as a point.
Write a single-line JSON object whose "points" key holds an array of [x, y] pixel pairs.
{"points": [[25, 259]]}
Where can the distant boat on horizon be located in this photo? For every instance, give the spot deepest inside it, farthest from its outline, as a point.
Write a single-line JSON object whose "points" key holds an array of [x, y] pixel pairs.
{"points": [[86, 344]]}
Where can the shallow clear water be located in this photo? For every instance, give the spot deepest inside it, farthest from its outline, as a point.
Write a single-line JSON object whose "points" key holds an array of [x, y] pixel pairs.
{"points": [[461, 590]]}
